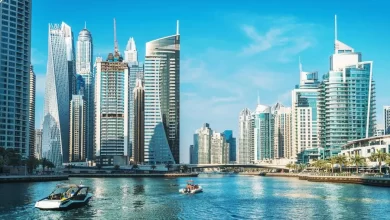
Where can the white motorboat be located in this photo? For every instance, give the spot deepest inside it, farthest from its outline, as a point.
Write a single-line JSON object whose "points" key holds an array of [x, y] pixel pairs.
{"points": [[191, 188], [64, 197]]}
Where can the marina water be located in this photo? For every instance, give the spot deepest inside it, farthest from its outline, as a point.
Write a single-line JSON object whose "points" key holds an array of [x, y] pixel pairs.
{"points": [[224, 197]]}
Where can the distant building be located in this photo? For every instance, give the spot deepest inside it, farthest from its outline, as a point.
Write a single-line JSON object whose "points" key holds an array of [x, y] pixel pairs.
{"points": [[202, 145], [139, 123], [38, 143], [246, 137], [232, 145], [386, 116], [219, 149], [264, 134], [192, 154], [379, 131], [282, 132], [77, 137], [31, 116]]}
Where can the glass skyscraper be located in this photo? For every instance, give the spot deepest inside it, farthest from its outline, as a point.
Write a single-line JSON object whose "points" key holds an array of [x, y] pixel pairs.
{"points": [[77, 143], [264, 132], [162, 100], [31, 116], [232, 145], [245, 137], [55, 137], [346, 103], [15, 35], [84, 67]]}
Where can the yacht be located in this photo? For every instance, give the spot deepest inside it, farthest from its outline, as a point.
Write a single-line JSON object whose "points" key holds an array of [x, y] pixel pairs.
{"points": [[191, 188], [64, 197]]}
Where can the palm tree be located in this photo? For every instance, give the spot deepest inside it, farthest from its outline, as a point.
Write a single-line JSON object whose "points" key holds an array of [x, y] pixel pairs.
{"points": [[332, 161], [341, 160], [381, 156], [358, 161], [302, 166], [168, 166], [185, 168], [44, 163], [289, 166]]}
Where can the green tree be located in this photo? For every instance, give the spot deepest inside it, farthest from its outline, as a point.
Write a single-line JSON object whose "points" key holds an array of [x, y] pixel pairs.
{"points": [[332, 161], [154, 167], [185, 168], [168, 166], [357, 160], [381, 156], [341, 160], [289, 166], [32, 163], [44, 163]]}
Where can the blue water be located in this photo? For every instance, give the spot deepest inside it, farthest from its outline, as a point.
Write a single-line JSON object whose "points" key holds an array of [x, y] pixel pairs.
{"points": [[224, 197]]}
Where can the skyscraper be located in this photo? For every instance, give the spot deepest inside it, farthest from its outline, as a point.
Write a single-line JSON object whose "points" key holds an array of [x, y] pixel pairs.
{"points": [[139, 122], [346, 101], [219, 149], [386, 117], [162, 103], [70, 56], [135, 71], [84, 67], [263, 133], [232, 145], [304, 113], [192, 154], [245, 137], [38, 143], [282, 131], [202, 145], [112, 107], [15, 25], [77, 143], [55, 137], [31, 116]]}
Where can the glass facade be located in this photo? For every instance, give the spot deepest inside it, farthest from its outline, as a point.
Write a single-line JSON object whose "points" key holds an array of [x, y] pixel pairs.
{"points": [[55, 137], [245, 137], [15, 44], [232, 145], [264, 132], [77, 143], [162, 100]]}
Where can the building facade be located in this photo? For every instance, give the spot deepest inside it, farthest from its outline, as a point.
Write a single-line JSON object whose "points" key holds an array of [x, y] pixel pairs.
{"points": [[346, 103], [304, 113], [282, 132], [55, 137], [31, 116], [192, 154], [219, 149], [202, 145], [112, 107], [263, 134], [245, 137], [139, 123], [15, 37], [77, 135], [162, 100], [386, 118], [232, 145], [38, 144], [84, 68]]}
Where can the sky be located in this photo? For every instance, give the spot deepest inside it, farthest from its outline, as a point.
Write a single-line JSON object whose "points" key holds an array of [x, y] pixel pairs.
{"points": [[230, 51]]}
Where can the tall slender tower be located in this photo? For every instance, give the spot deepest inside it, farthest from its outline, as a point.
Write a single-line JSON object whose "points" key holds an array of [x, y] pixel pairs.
{"points": [[202, 145], [282, 131], [131, 54], [139, 122], [112, 108], [15, 25], [346, 103], [55, 136], [264, 132], [84, 68], [245, 137], [31, 116], [77, 143], [386, 118], [162, 106]]}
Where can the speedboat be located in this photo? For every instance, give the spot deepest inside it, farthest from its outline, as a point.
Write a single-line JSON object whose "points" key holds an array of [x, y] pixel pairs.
{"points": [[64, 197], [191, 188]]}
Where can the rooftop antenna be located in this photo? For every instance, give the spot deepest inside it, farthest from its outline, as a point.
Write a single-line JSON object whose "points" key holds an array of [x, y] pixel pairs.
{"points": [[115, 41], [335, 33], [177, 27]]}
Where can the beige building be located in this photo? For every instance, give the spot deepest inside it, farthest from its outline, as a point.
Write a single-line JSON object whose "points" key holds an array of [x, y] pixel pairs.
{"points": [[282, 132]]}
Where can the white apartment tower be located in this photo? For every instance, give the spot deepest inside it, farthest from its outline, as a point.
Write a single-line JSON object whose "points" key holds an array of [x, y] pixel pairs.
{"points": [[245, 137]]}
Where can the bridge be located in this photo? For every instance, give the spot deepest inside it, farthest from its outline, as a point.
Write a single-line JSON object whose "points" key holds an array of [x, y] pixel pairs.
{"points": [[265, 166]]}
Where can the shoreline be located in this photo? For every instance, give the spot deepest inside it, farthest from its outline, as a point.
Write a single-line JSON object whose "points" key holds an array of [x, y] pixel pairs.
{"points": [[32, 178], [114, 175]]}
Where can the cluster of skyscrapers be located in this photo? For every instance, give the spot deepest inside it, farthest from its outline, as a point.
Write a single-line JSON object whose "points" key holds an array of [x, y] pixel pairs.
{"points": [[324, 116], [109, 111]]}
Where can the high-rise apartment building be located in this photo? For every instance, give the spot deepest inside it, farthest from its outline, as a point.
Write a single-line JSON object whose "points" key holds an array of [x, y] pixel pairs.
{"points": [[219, 149], [139, 122], [386, 117], [282, 131], [245, 137], [346, 102], [38, 143], [263, 133], [304, 113], [192, 154], [232, 145], [15, 41], [112, 108], [77, 142], [131, 54], [55, 137], [162, 103], [31, 116], [84, 67], [202, 145]]}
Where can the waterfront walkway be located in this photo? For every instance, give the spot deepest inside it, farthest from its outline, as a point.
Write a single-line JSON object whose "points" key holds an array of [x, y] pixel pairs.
{"points": [[32, 178]]}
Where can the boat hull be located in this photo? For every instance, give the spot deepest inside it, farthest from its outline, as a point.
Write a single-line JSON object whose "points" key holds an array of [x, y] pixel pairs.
{"points": [[194, 191], [58, 205]]}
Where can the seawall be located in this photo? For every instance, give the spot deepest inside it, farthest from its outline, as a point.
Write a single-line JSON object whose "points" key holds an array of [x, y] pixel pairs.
{"points": [[97, 175], [32, 178]]}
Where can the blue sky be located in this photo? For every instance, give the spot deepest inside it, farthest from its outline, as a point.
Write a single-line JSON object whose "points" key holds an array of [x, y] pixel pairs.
{"points": [[230, 51]]}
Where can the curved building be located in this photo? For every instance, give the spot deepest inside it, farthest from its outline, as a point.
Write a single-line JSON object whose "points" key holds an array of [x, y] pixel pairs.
{"points": [[55, 135], [162, 100]]}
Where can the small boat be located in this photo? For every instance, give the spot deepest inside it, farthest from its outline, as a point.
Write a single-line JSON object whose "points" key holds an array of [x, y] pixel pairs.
{"points": [[191, 188], [64, 197]]}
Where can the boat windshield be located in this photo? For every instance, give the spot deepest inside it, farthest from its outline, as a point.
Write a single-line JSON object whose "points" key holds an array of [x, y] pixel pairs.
{"points": [[59, 190]]}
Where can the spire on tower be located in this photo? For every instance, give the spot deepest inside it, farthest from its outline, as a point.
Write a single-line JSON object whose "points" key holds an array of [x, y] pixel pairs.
{"points": [[115, 41], [177, 27], [335, 28]]}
